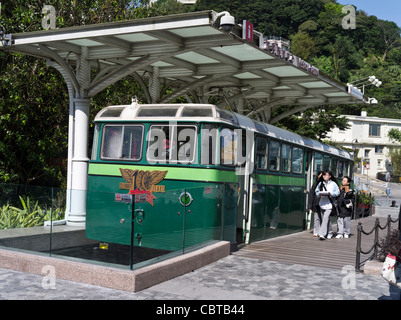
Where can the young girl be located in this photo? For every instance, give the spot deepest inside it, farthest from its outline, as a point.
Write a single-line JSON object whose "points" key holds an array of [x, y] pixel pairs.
{"points": [[324, 190], [344, 205]]}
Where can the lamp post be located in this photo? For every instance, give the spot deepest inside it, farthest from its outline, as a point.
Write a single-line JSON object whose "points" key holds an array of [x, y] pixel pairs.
{"points": [[355, 141], [368, 81]]}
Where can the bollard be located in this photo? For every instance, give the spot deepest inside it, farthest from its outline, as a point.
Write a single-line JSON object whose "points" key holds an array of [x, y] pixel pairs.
{"points": [[358, 247], [377, 224], [399, 223]]}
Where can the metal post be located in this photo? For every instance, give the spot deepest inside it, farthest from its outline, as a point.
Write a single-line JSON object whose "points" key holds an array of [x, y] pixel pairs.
{"points": [[399, 223], [131, 251], [388, 225], [358, 247], [51, 226], [183, 223], [377, 223]]}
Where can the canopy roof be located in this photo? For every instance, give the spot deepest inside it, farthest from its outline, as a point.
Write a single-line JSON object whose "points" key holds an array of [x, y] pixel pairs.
{"points": [[189, 52]]}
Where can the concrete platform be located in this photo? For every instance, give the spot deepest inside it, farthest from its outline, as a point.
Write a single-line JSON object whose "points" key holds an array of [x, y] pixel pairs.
{"points": [[110, 277], [39, 238], [373, 267]]}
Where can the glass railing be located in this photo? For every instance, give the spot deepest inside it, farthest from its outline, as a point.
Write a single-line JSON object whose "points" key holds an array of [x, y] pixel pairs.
{"points": [[108, 228]]}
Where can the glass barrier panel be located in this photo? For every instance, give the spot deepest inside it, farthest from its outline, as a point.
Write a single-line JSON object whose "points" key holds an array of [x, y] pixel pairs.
{"points": [[25, 216]]}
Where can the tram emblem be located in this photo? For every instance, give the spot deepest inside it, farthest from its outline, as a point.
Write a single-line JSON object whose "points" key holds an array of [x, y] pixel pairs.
{"points": [[143, 183]]}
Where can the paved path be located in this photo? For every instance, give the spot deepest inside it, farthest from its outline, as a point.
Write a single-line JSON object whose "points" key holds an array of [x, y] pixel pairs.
{"points": [[231, 278]]}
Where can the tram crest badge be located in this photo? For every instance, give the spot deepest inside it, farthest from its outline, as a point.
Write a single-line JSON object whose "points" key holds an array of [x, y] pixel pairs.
{"points": [[143, 183]]}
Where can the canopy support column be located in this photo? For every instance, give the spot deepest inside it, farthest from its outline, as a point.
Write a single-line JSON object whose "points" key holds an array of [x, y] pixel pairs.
{"points": [[79, 167], [76, 211]]}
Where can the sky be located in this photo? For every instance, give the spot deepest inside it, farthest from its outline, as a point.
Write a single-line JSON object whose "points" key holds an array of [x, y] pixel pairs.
{"points": [[383, 9]]}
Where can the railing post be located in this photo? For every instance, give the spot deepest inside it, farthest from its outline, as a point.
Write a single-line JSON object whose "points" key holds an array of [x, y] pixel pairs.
{"points": [[389, 225], [377, 223], [399, 223], [358, 247]]}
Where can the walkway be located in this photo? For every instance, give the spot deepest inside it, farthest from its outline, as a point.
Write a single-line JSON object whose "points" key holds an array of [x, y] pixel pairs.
{"points": [[302, 248]]}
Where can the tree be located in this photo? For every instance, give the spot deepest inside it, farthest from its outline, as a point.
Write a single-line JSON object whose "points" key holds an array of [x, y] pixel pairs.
{"points": [[34, 102], [302, 45], [313, 123]]}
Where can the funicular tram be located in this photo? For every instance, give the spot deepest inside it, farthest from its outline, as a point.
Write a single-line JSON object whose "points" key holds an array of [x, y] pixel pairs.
{"points": [[199, 168]]}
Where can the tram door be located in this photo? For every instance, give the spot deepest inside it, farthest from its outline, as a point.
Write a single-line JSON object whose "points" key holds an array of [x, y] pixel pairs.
{"points": [[308, 185], [246, 181]]}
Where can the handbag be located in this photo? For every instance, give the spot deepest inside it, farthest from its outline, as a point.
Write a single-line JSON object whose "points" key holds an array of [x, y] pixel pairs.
{"points": [[334, 209], [391, 271]]}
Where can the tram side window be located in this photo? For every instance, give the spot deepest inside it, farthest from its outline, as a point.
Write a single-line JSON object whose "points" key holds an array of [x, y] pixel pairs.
{"points": [[297, 160], [209, 136], [274, 156], [171, 144], [122, 142], [228, 147], [95, 141], [318, 160], [326, 163], [334, 167], [234, 146], [340, 169], [261, 153], [285, 158]]}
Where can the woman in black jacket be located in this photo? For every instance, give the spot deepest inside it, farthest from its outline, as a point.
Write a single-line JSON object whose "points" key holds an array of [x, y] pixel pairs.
{"points": [[345, 206], [313, 205]]}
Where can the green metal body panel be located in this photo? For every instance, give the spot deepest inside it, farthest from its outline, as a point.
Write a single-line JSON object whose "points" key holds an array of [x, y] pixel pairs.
{"points": [[278, 205], [167, 224]]}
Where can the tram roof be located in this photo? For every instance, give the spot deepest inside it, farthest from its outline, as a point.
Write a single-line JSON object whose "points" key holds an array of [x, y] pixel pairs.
{"points": [[192, 52], [174, 113]]}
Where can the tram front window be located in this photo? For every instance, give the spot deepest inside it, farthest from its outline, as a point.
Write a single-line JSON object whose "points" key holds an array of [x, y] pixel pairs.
{"points": [[171, 144], [122, 143]]}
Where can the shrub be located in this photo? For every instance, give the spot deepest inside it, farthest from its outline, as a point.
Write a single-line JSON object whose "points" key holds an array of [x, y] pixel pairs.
{"points": [[390, 244], [30, 215]]}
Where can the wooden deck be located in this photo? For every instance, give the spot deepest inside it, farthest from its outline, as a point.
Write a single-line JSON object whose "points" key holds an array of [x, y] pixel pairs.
{"points": [[303, 248]]}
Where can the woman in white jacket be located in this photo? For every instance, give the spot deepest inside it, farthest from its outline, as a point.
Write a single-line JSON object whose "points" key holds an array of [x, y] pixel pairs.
{"points": [[324, 190]]}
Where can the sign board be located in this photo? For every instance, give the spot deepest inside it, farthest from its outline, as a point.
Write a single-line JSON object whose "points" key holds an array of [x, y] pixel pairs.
{"points": [[123, 197], [247, 30]]}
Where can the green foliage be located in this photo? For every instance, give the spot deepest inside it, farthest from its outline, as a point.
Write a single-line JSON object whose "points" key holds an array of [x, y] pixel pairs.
{"points": [[313, 123], [394, 134], [391, 244], [362, 198], [34, 103], [395, 155], [30, 215]]}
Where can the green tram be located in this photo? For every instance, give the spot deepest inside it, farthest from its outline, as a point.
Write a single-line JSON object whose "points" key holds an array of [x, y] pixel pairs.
{"points": [[198, 172]]}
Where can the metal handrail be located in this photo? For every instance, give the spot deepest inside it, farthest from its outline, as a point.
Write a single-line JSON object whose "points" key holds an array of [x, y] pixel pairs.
{"points": [[376, 228]]}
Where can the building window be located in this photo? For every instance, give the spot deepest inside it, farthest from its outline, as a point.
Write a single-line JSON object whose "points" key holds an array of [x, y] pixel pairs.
{"points": [[367, 153], [374, 130], [379, 149], [379, 164]]}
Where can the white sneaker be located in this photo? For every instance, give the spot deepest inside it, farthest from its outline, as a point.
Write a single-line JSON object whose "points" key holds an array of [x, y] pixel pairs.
{"points": [[339, 236], [346, 236], [329, 236]]}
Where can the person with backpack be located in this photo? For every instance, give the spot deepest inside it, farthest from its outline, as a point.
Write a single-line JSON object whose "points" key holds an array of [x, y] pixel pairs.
{"points": [[327, 191], [345, 206]]}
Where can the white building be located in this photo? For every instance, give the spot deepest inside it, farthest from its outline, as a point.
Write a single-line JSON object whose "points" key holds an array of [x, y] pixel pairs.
{"points": [[368, 136]]}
